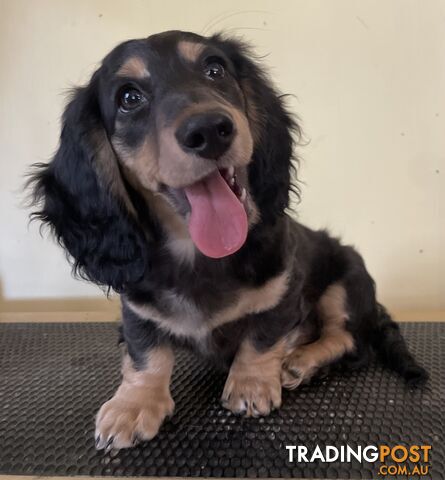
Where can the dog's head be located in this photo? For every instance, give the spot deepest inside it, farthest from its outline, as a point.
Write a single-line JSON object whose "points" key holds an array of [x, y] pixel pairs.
{"points": [[177, 133]]}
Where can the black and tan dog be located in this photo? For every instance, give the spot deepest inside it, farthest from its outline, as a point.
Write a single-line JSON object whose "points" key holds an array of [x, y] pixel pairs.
{"points": [[170, 187]]}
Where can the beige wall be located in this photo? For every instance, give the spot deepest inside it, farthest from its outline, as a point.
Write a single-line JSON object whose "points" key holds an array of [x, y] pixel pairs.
{"points": [[369, 80]]}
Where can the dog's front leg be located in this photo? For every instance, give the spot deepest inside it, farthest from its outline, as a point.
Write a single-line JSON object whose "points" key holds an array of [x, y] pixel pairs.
{"points": [[253, 386], [143, 400]]}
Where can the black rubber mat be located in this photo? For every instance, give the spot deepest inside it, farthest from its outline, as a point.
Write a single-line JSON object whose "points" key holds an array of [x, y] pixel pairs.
{"points": [[54, 377]]}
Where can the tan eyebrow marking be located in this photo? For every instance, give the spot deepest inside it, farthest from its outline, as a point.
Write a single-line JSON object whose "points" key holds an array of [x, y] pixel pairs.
{"points": [[190, 51], [134, 67]]}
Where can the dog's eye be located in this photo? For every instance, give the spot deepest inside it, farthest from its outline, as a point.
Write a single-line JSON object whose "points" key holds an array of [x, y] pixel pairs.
{"points": [[130, 98], [214, 69]]}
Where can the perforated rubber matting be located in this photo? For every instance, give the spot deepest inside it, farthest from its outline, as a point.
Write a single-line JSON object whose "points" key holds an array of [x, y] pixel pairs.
{"points": [[54, 377]]}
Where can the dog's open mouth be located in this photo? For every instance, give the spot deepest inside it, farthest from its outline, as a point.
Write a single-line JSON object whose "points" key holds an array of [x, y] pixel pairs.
{"points": [[218, 221]]}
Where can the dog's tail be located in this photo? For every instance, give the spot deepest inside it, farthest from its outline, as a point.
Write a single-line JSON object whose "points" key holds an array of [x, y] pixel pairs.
{"points": [[392, 350]]}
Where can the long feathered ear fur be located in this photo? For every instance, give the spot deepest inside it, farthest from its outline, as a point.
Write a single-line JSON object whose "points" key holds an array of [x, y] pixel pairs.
{"points": [[96, 228], [273, 128]]}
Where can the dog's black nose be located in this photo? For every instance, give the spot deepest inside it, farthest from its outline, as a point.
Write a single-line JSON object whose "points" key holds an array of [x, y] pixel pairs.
{"points": [[208, 135]]}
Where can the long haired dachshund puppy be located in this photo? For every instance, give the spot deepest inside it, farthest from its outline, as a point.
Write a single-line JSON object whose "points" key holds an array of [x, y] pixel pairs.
{"points": [[170, 186]]}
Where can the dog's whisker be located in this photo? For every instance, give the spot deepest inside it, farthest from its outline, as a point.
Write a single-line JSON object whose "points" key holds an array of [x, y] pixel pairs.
{"points": [[223, 17]]}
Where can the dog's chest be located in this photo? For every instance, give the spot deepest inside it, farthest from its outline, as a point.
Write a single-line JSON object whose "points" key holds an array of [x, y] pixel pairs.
{"points": [[183, 316]]}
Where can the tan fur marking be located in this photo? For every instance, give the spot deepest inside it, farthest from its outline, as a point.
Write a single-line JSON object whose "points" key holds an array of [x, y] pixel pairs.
{"points": [[108, 170], [253, 385], [134, 67], [240, 152], [256, 119], [189, 321], [140, 404], [254, 300], [140, 165], [333, 343], [179, 241], [190, 51]]}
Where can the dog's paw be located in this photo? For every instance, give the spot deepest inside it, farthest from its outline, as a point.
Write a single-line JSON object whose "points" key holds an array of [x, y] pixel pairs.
{"points": [[251, 396], [123, 421], [296, 370]]}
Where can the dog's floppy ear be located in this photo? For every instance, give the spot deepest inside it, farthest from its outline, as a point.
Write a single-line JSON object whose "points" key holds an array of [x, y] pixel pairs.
{"points": [[272, 128], [82, 197]]}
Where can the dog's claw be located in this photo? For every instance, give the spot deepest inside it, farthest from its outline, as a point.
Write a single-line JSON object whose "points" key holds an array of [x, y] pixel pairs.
{"points": [[227, 397], [243, 409], [109, 444], [100, 442], [255, 411]]}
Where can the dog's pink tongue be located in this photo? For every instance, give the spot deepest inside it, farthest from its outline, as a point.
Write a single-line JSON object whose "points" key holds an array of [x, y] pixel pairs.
{"points": [[218, 221]]}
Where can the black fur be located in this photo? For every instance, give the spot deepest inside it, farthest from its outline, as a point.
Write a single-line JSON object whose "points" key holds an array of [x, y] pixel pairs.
{"points": [[125, 251], [107, 247]]}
